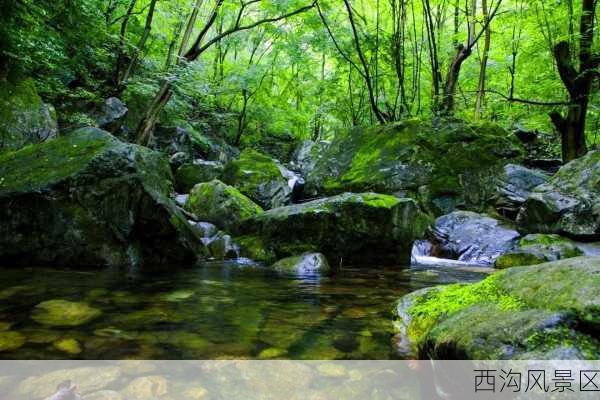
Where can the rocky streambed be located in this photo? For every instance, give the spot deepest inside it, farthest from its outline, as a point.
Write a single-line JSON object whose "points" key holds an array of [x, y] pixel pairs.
{"points": [[208, 252]]}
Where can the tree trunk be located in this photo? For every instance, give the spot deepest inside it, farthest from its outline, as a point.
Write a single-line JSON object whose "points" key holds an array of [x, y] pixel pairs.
{"points": [[484, 61], [121, 49], [578, 84], [141, 44]]}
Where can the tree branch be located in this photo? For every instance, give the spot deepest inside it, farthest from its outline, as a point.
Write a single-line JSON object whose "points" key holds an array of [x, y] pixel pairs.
{"points": [[531, 102]]}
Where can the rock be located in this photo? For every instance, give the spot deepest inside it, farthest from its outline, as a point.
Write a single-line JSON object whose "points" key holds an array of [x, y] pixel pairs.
{"points": [[569, 203], [147, 387], [221, 247], [446, 165], [173, 140], [220, 204], [89, 200], [260, 178], [69, 346], [88, 380], [254, 248], [189, 175], [350, 228], [279, 145], [207, 231], [113, 115], [24, 118], [307, 155], [64, 313], [104, 395], [66, 391], [514, 187], [471, 238], [177, 160], [545, 311], [307, 264], [10, 341], [537, 249]]}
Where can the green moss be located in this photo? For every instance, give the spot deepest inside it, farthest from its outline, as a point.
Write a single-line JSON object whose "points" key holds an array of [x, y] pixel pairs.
{"points": [[40, 166], [516, 259], [10, 341], [254, 248], [64, 313], [221, 204], [564, 337], [446, 301], [541, 239]]}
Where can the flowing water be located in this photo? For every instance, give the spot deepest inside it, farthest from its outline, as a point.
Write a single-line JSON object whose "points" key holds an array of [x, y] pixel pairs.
{"points": [[215, 311]]}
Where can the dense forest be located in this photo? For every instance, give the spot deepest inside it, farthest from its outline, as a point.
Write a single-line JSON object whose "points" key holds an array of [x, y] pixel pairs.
{"points": [[281, 68], [298, 179]]}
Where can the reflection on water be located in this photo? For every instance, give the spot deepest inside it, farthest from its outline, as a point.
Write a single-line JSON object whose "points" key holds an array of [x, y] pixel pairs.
{"points": [[216, 311]]}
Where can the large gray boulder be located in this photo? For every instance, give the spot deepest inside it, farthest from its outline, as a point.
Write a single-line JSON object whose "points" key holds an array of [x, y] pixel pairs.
{"points": [[24, 117], [514, 186], [471, 238], [355, 229], [113, 115], [90, 200], [190, 174], [569, 203]]}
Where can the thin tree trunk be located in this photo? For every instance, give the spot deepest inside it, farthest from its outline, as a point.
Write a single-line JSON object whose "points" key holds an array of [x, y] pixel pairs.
{"points": [[484, 60], [121, 48], [142, 43]]}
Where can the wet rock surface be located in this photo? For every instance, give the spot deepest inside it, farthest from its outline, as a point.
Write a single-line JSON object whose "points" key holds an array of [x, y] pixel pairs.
{"points": [[471, 238], [89, 200], [569, 203], [308, 264], [514, 187], [349, 228]]}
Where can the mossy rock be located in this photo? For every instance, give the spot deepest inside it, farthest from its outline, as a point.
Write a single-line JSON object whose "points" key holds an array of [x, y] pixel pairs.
{"points": [[307, 264], [64, 313], [539, 248], [221, 204], [253, 247], [89, 200], [507, 314], [10, 341], [189, 175], [24, 118], [359, 229], [260, 178], [447, 164], [569, 203]]}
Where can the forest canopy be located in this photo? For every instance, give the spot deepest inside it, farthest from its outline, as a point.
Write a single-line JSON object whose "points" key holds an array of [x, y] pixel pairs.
{"points": [[306, 69]]}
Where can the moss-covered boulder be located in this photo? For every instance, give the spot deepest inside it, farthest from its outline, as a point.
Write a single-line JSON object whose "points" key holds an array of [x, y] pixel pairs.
{"points": [[538, 248], [307, 264], [88, 200], [189, 175], [569, 203], [24, 118], [260, 178], [221, 204], [547, 311], [64, 313], [365, 228], [446, 164]]}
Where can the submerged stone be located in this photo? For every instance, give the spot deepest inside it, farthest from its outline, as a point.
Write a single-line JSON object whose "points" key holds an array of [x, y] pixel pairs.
{"points": [[220, 204], [260, 178], [305, 264], [569, 203], [146, 387], [104, 395], [10, 341], [64, 313], [88, 200], [351, 228], [70, 346], [515, 314], [89, 380], [447, 164]]}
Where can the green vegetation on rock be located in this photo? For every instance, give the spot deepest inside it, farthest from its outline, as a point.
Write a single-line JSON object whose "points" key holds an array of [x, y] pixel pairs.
{"points": [[64, 313], [220, 204]]}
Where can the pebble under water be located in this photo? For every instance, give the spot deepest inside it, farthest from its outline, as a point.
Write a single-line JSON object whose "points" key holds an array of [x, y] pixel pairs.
{"points": [[215, 311]]}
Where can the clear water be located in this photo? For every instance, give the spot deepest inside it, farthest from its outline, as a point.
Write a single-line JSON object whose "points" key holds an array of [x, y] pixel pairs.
{"points": [[216, 311]]}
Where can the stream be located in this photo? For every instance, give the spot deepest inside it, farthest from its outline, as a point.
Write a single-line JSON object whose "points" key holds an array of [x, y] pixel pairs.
{"points": [[217, 311]]}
